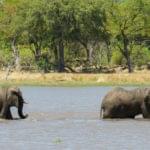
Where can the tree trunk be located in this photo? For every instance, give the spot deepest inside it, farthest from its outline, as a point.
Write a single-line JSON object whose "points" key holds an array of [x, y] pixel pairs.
{"points": [[61, 63], [37, 54], [56, 56], [16, 55], [126, 53], [109, 54], [36, 50], [129, 64], [89, 51]]}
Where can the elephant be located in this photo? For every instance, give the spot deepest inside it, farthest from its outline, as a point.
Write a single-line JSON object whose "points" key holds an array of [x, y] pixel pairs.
{"points": [[122, 103], [9, 97]]}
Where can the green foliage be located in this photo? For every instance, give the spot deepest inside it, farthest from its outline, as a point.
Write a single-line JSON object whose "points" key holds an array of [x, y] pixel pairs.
{"points": [[27, 57], [71, 32], [140, 55], [5, 58], [117, 58]]}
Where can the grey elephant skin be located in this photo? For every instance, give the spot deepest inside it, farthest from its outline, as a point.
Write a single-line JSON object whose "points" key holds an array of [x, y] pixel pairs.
{"points": [[9, 97], [122, 103]]}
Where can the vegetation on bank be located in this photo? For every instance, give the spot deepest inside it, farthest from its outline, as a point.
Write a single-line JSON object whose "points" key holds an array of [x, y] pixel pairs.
{"points": [[65, 35], [69, 79]]}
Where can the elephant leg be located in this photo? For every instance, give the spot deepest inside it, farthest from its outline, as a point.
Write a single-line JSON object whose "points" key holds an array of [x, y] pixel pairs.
{"points": [[145, 112], [3, 112], [9, 115], [146, 115], [132, 116]]}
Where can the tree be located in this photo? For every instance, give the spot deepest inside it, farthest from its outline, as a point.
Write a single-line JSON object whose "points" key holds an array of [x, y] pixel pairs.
{"points": [[60, 26], [10, 32], [125, 22], [35, 28], [89, 25]]}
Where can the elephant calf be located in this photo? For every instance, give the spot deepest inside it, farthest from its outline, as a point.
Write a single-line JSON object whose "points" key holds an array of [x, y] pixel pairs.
{"points": [[11, 96], [122, 103]]}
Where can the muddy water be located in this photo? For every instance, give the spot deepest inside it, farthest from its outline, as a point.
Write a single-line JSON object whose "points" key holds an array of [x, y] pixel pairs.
{"points": [[68, 119]]}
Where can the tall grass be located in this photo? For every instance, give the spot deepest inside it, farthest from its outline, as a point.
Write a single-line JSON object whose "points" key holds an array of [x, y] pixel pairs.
{"points": [[69, 79]]}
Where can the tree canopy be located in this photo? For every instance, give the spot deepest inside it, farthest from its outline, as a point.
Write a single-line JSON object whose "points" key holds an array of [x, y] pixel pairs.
{"points": [[53, 35]]}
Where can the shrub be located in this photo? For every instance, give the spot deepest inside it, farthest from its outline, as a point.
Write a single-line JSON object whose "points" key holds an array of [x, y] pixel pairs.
{"points": [[140, 55], [117, 58]]}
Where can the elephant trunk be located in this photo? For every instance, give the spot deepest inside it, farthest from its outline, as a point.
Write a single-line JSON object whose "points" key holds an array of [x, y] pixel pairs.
{"points": [[101, 113], [20, 112]]}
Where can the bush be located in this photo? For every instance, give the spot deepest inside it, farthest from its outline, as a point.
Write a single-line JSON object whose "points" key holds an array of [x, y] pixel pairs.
{"points": [[140, 55], [27, 60], [5, 58], [117, 58]]}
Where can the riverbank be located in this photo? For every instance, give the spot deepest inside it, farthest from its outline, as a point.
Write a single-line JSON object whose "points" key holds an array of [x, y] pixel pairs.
{"points": [[69, 79]]}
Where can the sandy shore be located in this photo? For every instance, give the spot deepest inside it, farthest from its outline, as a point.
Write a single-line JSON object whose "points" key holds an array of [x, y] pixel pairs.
{"points": [[69, 79]]}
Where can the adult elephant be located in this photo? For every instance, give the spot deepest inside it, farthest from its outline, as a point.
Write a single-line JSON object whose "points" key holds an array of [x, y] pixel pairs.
{"points": [[122, 103], [11, 96]]}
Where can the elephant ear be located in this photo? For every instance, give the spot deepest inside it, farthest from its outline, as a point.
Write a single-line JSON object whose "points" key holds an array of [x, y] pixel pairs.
{"points": [[14, 91], [17, 92]]}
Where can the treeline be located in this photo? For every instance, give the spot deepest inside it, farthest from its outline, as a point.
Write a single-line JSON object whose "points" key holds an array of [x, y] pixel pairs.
{"points": [[55, 35]]}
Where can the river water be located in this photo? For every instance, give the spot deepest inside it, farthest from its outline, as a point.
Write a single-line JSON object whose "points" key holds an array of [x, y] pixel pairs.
{"points": [[63, 118]]}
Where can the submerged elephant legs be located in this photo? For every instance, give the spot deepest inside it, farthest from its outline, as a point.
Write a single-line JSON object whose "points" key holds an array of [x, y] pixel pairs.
{"points": [[5, 112], [121, 103], [118, 112]]}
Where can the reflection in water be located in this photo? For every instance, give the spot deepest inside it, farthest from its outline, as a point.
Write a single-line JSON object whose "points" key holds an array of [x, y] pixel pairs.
{"points": [[68, 119]]}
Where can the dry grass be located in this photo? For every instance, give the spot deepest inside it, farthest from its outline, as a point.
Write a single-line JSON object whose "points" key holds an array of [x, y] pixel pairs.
{"points": [[69, 79]]}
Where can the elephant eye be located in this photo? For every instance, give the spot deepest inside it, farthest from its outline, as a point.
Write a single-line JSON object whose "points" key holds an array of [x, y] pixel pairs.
{"points": [[14, 92]]}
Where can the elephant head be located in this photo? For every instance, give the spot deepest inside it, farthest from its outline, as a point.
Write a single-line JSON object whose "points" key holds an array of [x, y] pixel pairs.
{"points": [[15, 98]]}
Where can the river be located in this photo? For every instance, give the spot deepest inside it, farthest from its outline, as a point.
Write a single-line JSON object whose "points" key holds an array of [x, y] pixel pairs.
{"points": [[67, 118]]}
